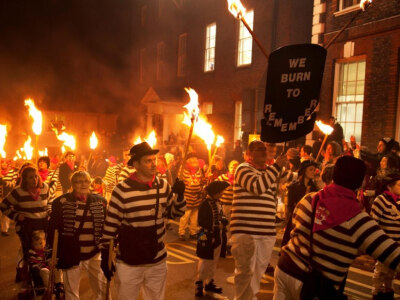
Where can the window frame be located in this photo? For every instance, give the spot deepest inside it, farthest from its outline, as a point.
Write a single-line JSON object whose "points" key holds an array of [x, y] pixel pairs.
{"points": [[241, 40], [208, 50]]}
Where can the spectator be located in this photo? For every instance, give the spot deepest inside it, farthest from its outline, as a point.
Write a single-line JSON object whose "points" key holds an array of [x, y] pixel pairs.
{"points": [[305, 153], [337, 133]]}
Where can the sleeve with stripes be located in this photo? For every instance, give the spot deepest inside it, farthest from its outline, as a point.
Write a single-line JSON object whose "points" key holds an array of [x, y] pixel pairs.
{"points": [[376, 209], [373, 241], [256, 182], [114, 215], [8, 205]]}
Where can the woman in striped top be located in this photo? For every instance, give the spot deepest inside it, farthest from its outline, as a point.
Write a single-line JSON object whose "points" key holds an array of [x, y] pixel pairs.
{"points": [[79, 218], [340, 230], [27, 205], [7, 181], [386, 211]]}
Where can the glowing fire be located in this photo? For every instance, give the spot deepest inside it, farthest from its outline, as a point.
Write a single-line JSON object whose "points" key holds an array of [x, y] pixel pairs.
{"points": [[36, 115], [236, 8], [28, 149], [202, 129], [220, 140], [326, 129], [138, 140], [93, 141], [151, 139], [365, 3], [44, 152], [3, 134], [63, 150], [68, 139], [193, 105]]}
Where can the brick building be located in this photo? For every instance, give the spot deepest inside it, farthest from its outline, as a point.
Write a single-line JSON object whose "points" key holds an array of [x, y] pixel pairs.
{"points": [[361, 79], [200, 44]]}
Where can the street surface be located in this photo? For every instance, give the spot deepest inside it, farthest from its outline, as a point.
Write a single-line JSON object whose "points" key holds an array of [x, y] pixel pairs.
{"points": [[182, 263]]}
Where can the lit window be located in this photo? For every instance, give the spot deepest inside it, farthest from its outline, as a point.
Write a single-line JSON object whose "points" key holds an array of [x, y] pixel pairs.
{"points": [[182, 54], [245, 42], [160, 60], [209, 57], [237, 134], [343, 4], [142, 57], [349, 97]]}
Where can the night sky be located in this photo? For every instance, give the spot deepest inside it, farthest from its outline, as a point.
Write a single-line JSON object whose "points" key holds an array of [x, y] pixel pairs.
{"points": [[66, 55]]}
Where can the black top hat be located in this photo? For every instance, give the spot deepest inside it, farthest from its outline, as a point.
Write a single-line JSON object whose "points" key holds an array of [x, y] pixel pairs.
{"points": [[304, 165], [140, 150], [46, 159]]}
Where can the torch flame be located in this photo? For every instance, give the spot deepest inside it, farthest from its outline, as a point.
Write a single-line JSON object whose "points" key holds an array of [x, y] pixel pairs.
{"points": [[19, 155], [220, 140], [193, 105], [93, 141], [68, 139], [364, 4], [236, 8], [44, 152], [151, 139], [36, 115], [63, 150], [28, 149], [203, 129], [3, 134], [138, 140], [326, 129]]}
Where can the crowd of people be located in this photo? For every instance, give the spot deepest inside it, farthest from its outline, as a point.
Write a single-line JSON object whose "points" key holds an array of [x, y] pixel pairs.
{"points": [[334, 205]]}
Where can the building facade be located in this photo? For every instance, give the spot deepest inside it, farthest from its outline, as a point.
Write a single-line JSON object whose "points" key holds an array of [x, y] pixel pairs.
{"points": [[199, 44], [361, 78]]}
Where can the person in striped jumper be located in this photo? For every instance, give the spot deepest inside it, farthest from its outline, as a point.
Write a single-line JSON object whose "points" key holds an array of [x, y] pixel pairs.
{"points": [[48, 176], [136, 214], [253, 218], [8, 177], [340, 231], [79, 218], [110, 178], [123, 170], [386, 211], [194, 180]]}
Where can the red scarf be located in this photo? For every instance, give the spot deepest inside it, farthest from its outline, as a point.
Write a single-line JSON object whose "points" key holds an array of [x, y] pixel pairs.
{"points": [[43, 174], [336, 205], [35, 193], [162, 170], [135, 178], [192, 170], [70, 164], [231, 177], [82, 198], [396, 198]]}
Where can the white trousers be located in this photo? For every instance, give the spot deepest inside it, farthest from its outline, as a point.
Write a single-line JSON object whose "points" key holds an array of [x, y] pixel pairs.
{"points": [[286, 287], [72, 278], [206, 267], [190, 217], [129, 280], [252, 254]]}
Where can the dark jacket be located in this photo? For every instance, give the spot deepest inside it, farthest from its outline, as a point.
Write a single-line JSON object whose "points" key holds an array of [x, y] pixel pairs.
{"points": [[209, 236], [65, 176]]}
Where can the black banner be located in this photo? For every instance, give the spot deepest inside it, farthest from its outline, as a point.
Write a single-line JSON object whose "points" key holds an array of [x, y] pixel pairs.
{"points": [[292, 93]]}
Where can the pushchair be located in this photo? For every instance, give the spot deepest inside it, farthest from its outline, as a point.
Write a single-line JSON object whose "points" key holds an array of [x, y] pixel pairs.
{"points": [[28, 269]]}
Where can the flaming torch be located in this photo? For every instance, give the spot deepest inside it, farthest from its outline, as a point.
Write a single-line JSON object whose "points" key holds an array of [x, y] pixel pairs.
{"points": [[93, 142], [218, 142], [44, 152], [138, 140], [68, 139], [151, 139], [37, 122], [327, 130], [237, 9], [28, 149], [363, 5], [193, 110], [3, 135]]}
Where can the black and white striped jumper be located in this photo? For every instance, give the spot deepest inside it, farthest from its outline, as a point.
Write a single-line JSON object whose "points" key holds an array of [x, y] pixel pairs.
{"points": [[133, 204], [67, 216], [110, 178], [335, 248], [193, 187], [254, 206], [227, 195], [125, 173], [52, 182], [21, 201], [386, 213]]}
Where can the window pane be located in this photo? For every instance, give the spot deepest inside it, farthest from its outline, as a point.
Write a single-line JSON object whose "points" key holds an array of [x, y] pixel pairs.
{"points": [[361, 71], [352, 73], [359, 112], [209, 55], [245, 41]]}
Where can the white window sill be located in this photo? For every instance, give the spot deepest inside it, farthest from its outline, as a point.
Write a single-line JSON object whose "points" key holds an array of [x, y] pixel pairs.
{"points": [[347, 10]]}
